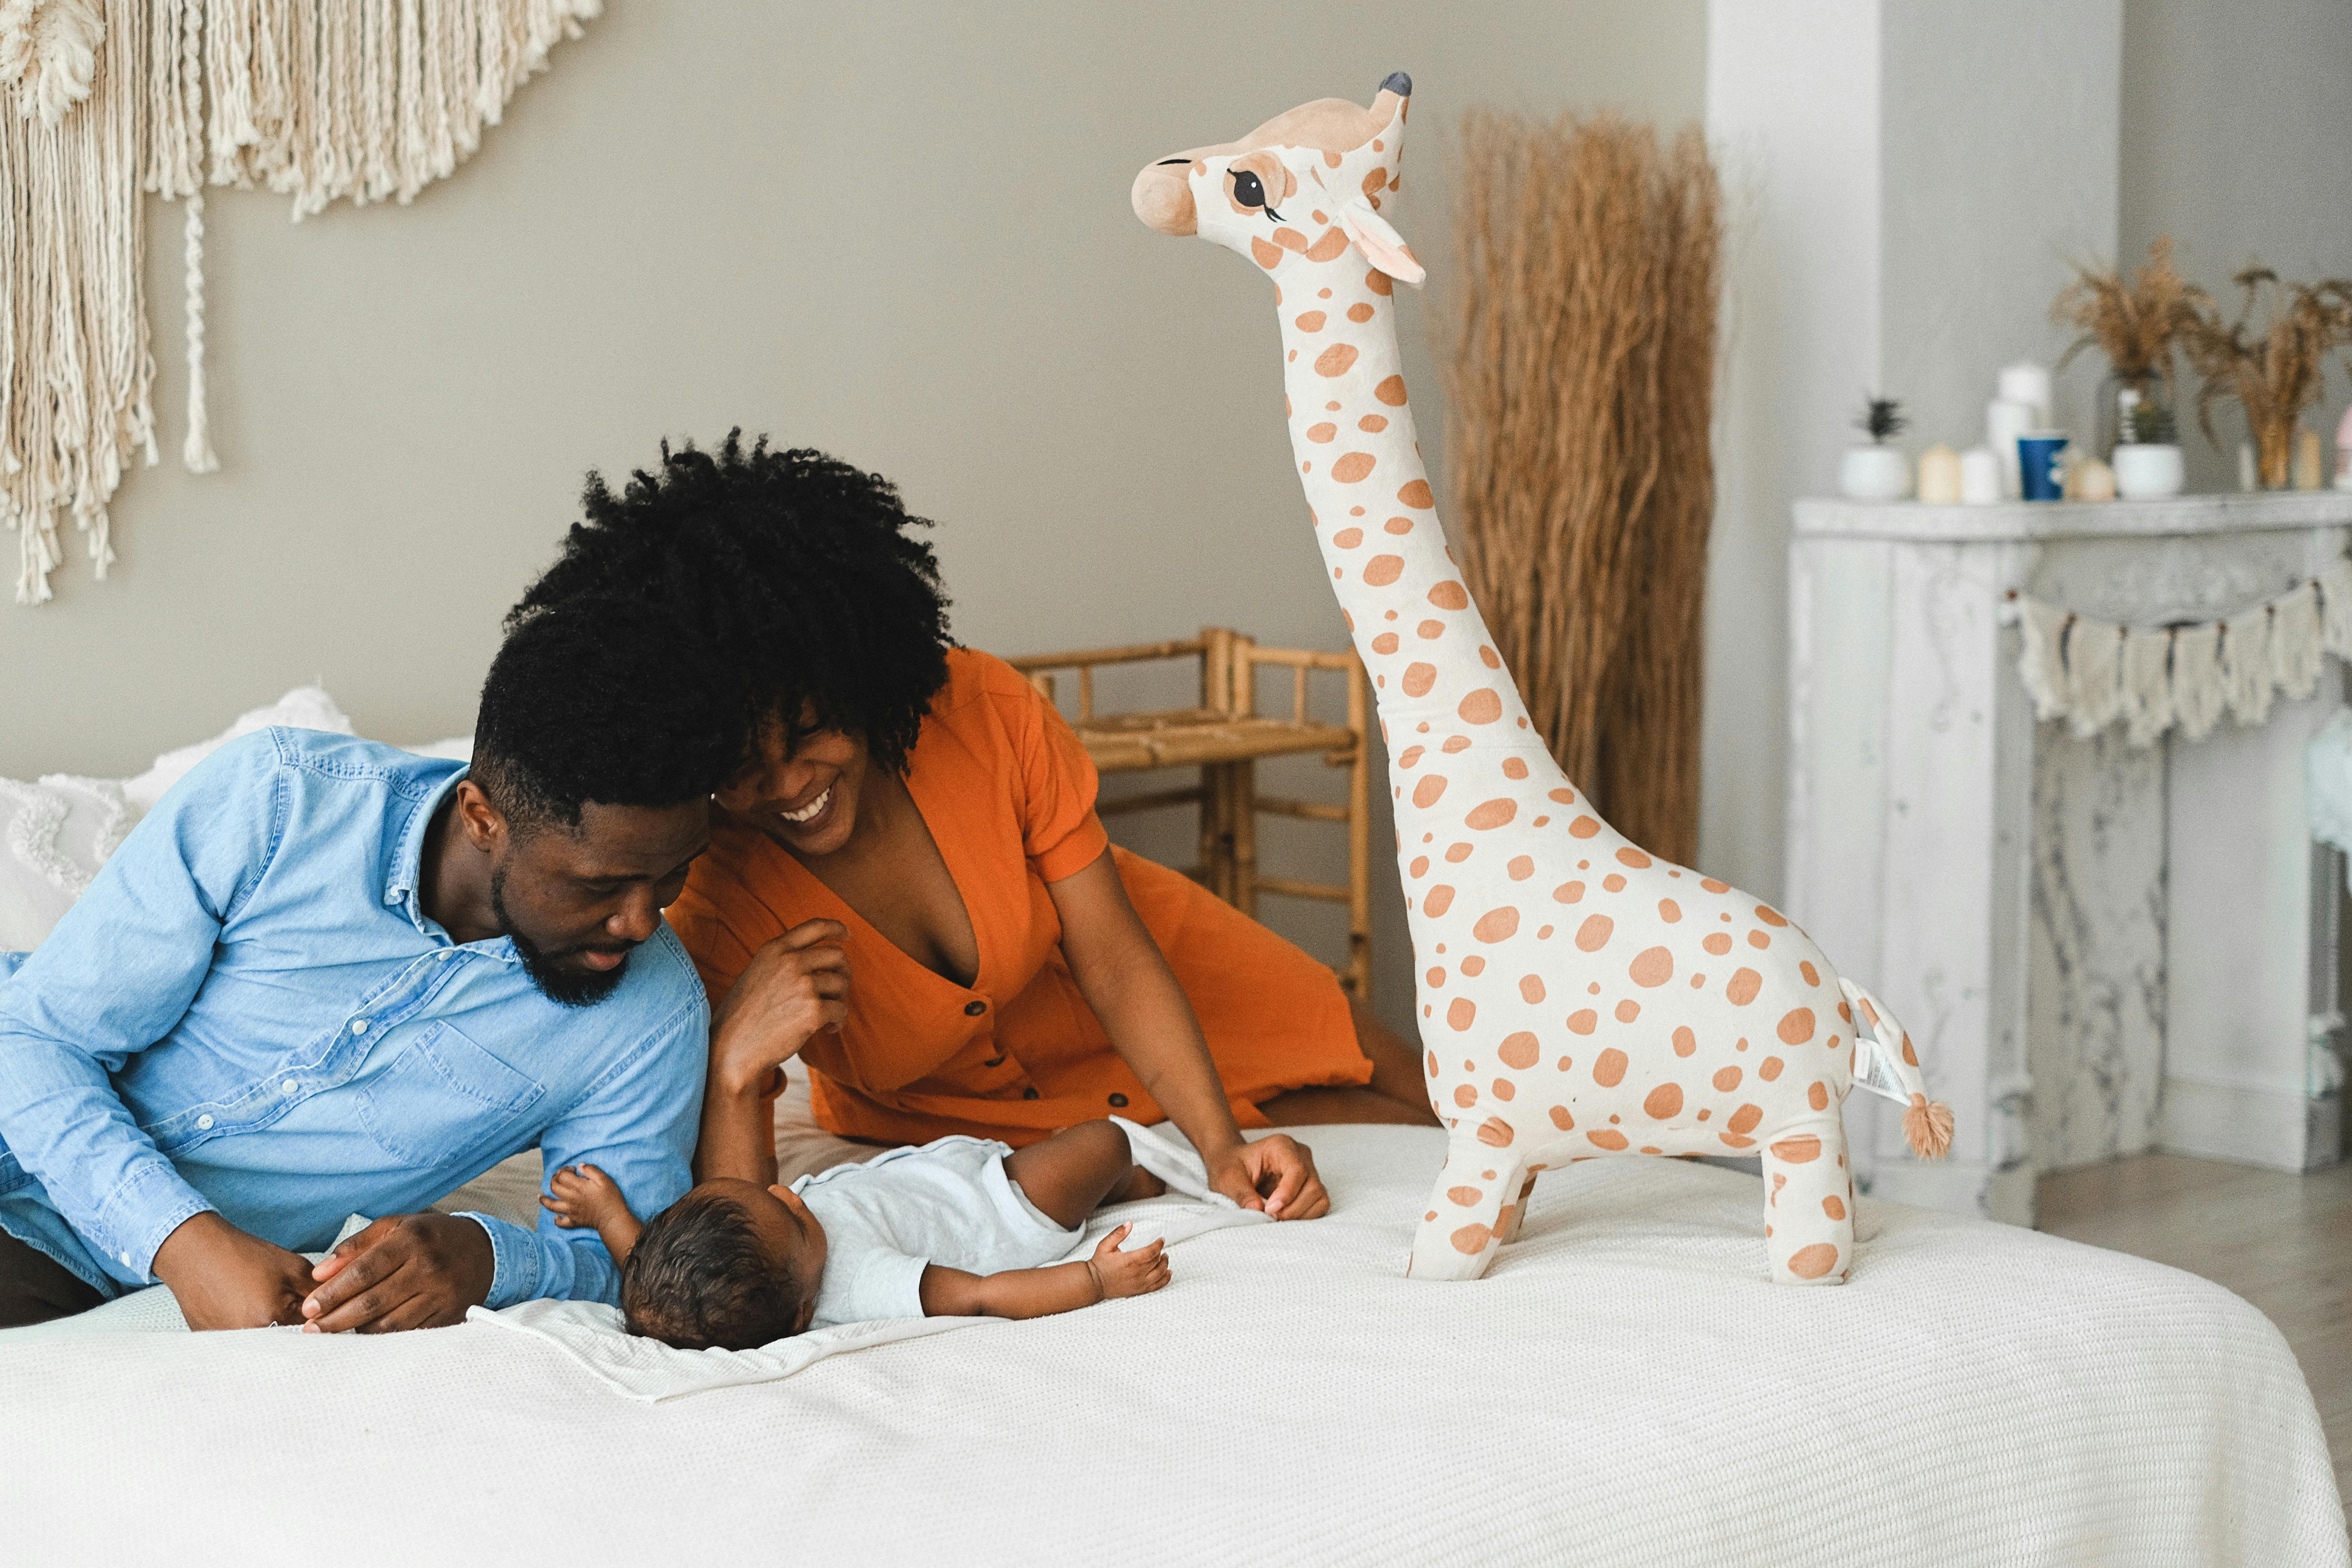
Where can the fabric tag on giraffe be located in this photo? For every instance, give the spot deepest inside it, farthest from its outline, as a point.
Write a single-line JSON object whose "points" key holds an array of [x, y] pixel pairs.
{"points": [[1873, 1071]]}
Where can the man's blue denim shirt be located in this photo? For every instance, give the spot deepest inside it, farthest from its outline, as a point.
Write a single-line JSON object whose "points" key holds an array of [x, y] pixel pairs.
{"points": [[248, 1011]]}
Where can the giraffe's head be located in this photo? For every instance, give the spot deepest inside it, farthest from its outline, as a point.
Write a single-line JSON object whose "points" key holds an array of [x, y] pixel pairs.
{"points": [[1309, 182]]}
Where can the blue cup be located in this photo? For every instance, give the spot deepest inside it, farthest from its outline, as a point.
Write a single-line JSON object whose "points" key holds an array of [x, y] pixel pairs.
{"points": [[2042, 464]]}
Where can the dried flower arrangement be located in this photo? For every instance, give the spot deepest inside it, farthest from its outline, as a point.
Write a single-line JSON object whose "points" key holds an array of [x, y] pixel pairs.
{"points": [[1581, 374], [2277, 374], [2135, 324]]}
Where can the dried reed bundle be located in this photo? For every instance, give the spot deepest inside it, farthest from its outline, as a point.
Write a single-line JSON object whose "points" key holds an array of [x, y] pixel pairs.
{"points": [[2276, 375], [1580, 382], [2135, 324]]}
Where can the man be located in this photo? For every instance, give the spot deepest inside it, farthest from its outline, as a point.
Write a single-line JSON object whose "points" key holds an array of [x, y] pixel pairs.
{"points": [[325, 976]]}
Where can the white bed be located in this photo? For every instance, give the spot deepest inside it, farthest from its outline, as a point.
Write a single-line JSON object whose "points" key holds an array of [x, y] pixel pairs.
{"points": [[1623, 1386]]}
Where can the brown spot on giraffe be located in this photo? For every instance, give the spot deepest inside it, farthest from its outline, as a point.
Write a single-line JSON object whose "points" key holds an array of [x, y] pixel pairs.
{"points": [[1744, 986], [1652, 967], [1450, 596], [1490, 813], [1327, 244], [1311, 320], [1382, 570], [1685, 1041], [1813, 1262], [1418, 678], [1497, 1132], [1484, 706], [1519, 1051], [1438, 900], [1582, 1022], [1426, 793], [1360, 312], [1496, 925], [1335, 359], [1415, 494], [1663, 1102], [1461, 1014], [1352, 466], [1593, 935], [1378, 282], [1390, 390]]}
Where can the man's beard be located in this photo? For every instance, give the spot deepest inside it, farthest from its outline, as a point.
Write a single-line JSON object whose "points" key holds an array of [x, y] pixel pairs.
{"points": [[567, 987]]}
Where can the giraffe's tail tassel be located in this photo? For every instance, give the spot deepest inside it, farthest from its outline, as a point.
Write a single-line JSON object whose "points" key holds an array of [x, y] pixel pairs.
{"points": [[1891, 1070]]}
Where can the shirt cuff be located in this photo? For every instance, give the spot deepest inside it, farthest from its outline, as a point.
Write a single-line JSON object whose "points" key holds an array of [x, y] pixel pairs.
{"points": [[1081, 849], [514, 1267], [142, 1214]]}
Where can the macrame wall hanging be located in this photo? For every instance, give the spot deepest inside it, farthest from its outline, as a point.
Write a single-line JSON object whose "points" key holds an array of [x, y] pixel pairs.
{"points": [[2092, 673], [101, 99]]}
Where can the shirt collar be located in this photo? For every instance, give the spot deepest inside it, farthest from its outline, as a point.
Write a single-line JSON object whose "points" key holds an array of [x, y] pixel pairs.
{"points": [[407, 867]]}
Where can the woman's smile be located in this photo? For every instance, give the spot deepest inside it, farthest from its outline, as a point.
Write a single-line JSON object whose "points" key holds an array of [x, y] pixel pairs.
{"points": [[808, 812]]}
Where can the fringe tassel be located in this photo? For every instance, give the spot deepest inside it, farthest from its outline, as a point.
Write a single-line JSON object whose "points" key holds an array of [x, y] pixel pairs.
{"points": [[2197, 695], [2294, 641], [2094, 689], [2042, 665], [75, 372], [2246, 665], [2147, 686]]}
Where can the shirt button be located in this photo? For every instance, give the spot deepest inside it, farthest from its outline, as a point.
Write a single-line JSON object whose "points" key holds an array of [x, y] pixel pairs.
{"points": [[204, 1123], [287, 1088], [1120, 1101], [1029, 1093], [359, 1025], [975, 1009], [445, 955]]}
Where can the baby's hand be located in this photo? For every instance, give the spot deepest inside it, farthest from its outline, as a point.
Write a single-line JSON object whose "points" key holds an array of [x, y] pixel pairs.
{"points": [[583, 1195], [1137, 1273]]}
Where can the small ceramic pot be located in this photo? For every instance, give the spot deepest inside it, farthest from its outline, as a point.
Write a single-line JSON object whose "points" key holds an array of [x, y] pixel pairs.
{"points": [[2147, 473], [1874, 473]]}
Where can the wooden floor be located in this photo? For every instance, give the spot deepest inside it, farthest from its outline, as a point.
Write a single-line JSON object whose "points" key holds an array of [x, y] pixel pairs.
{"points": [[2282, 1242]]}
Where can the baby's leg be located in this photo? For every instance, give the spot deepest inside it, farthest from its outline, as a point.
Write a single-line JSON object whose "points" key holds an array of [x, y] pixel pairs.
{"points": [[1069, 1174]]}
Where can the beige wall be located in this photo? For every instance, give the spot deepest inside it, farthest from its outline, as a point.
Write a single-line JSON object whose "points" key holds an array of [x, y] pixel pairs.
{"points": [[896, 231]]}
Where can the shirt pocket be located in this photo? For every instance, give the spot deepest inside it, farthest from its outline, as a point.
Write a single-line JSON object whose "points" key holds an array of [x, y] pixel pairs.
{"points": [[445, 1099]]}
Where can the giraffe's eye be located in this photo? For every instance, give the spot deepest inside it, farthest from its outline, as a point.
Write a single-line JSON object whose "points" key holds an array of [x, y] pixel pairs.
{"points": [[1246, 189]]}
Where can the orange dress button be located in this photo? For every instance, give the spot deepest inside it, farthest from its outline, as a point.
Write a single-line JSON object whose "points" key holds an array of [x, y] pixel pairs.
{"points": [[975, 1009]]}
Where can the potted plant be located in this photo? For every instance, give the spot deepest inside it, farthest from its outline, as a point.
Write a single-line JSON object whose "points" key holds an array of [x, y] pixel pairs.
{"points": [[2134, 321], [1878, 471], [2148, 459], [2275, 375]]}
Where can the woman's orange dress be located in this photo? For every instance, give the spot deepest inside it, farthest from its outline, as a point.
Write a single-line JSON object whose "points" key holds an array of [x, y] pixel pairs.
{"points": [[1009, 794]]}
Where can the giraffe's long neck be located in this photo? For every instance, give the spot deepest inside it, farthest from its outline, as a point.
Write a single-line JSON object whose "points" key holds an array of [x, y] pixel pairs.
{"points": [[1441, 687]]}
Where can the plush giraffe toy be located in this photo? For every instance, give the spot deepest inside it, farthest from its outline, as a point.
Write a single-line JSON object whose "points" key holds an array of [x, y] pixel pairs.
{"points": [[1578, 996]]}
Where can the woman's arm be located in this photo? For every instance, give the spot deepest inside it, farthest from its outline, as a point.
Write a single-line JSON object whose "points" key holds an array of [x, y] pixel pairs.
{"points": [[1125, 980], [795, 986]]}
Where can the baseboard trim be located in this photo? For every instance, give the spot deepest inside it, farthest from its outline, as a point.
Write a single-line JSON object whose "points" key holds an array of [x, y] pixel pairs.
{"points": [[2276, 1129]]}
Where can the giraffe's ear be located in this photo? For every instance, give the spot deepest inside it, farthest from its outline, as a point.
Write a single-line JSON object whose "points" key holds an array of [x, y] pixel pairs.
{"points": [[1381, 245]]}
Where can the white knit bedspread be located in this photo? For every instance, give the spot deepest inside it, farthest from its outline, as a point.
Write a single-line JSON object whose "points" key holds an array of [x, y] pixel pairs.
{"points": [[1623, 1386]]}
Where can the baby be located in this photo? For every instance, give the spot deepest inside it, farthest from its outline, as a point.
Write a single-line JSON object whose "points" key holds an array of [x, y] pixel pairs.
{"points": [[957, 1227]]}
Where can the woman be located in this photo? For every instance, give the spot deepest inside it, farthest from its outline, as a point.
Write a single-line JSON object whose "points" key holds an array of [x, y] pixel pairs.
{"points": [[909, 862]]}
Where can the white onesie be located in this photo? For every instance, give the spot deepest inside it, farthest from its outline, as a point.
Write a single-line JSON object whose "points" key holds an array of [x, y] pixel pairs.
{"points": [[948, 1202]]}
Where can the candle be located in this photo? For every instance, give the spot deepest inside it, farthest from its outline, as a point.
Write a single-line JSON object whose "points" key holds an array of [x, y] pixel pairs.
{"points": [[1939, 475], [2307, 459]]}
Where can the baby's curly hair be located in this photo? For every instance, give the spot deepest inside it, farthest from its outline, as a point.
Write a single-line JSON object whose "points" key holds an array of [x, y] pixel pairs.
{"points": [[799, 570], [698, 1279]]}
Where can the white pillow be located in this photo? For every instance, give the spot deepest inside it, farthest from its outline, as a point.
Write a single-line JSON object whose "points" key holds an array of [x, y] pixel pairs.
{"points": [[53, 836], [304, 708], [56, 834]]}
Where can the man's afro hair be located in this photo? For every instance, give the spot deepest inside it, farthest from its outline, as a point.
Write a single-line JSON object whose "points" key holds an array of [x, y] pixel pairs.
{"points": [[800, 571]]}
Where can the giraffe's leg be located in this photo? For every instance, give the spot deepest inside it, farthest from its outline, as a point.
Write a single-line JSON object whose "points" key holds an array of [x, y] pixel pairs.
{"points": [[1809, 1204], [1515, 1213], [1458, 1232]]}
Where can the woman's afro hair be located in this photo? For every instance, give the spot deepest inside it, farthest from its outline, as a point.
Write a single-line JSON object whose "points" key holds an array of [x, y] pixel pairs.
{"points": [[799, 571]]}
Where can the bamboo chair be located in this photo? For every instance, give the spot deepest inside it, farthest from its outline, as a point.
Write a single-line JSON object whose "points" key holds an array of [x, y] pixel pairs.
{"points": [[1224, 737]]}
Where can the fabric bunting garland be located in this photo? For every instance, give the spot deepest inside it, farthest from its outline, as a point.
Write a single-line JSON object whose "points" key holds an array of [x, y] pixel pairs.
{"points": [[2092, 673]]}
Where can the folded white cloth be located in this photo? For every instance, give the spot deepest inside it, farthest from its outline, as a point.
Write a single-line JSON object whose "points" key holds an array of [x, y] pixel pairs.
{"points": [[591, 1334]]}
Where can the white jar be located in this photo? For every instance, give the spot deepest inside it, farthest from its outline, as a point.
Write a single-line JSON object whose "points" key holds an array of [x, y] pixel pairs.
{"points": [[2147, 473], [1874, 473]]}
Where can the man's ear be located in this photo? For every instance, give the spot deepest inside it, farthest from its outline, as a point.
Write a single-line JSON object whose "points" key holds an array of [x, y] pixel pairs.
{"points": [[484, 827], [1381, 245]]}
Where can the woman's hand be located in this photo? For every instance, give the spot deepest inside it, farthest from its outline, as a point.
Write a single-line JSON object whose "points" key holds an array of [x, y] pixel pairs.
{"points": [[1274, 1174], [793, 987]]}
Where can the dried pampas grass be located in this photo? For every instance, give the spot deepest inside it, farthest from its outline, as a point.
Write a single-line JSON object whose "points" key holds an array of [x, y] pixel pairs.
{"points": [[2277, 374], [1581, 386], [2136, 322]]}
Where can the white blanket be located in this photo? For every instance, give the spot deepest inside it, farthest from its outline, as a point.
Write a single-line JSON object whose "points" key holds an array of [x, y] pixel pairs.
{"points": [[591, 1333], [1623, 1386]]}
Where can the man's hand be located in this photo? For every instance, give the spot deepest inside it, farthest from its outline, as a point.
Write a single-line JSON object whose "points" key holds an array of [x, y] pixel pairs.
{"points": [[223, 1278], [410, 1271], [1275, 1174], [795, 986]]}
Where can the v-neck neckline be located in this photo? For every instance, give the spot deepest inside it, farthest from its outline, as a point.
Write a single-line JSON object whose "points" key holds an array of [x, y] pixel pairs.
{"points": [[955, 880]]}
